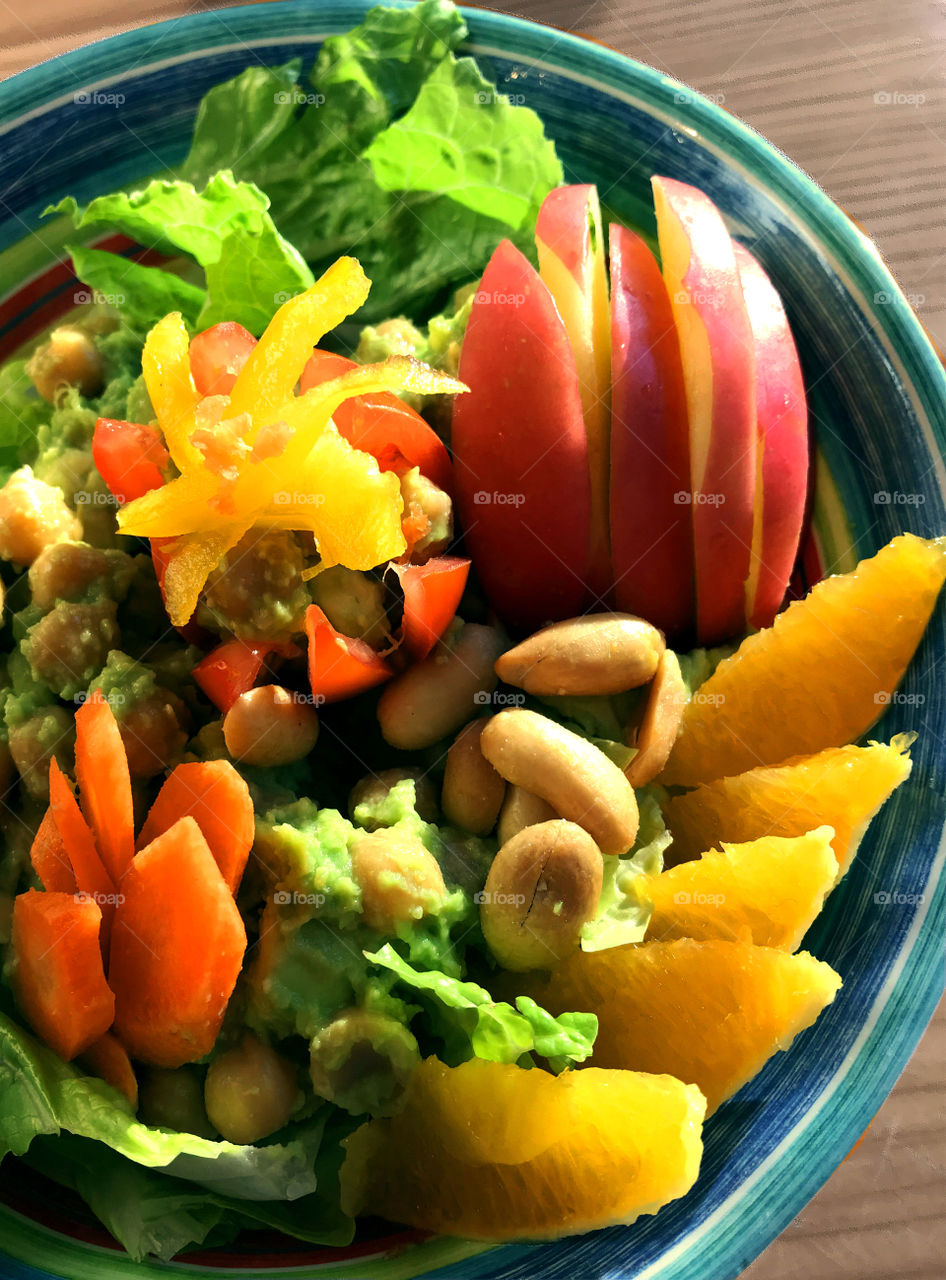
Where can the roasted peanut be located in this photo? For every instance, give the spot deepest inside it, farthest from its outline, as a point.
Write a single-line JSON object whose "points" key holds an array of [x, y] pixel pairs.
{"points": [[373, 787], [435, 697], [472, 789], [521, 809], [601, 653], [362, 1060], [400, 880], [250, 1091], [567, 771], [270, 726], [543, 886], [658, 729], [68, 358]]}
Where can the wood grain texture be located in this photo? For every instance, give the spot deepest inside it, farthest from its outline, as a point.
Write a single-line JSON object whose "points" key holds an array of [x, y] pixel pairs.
{"points": [[853, 91]]}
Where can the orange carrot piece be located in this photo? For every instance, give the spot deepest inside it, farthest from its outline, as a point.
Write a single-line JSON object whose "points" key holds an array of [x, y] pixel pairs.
{"points": [[108, 1059], [91, 876], [105, 784], [215, 795], [50, 859], [177, 949], [58, 977]]}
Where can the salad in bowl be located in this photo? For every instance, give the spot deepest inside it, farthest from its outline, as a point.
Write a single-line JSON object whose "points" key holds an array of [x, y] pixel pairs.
{"points": [[417, 787]]}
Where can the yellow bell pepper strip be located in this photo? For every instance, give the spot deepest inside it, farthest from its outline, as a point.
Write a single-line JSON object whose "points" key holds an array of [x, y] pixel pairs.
{"points": [[189, 561], [276, 362], [167, 373]]}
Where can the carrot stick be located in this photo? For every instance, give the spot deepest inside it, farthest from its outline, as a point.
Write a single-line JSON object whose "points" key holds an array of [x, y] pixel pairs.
{"points": [[105, 784], [50, 859], [108, 1059], [58, 977], [91, 877], [215, 795], [177, 948]]}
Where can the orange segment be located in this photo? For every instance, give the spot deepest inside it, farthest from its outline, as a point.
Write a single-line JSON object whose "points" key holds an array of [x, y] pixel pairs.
{"points": [[820, 675], [525, 1154], [842, 787], [710, 1013], [765, 892]]}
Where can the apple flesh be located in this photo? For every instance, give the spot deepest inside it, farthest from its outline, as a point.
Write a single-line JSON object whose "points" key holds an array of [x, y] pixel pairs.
{"points": [[570, 244], [651, 528], [520, 448], [782, 442], [718, 357]]}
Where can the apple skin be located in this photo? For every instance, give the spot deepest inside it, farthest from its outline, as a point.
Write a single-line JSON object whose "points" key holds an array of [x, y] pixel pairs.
{"points": [[570, 244], [718, 356], [782, 416], [520, 448], [651, 527]]}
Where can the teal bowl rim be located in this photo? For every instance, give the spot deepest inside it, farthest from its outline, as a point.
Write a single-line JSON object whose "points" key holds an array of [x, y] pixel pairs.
{"points": [[743, 1225]]}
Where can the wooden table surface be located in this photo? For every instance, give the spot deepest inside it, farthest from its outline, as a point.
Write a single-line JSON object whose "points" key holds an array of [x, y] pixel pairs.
{"points": [[853, 91]]}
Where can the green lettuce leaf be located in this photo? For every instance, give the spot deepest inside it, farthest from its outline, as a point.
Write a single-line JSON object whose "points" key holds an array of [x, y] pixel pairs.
{"points": [[335, 155], [41, 1094], [143, 294], [472, 1023], [22, 412], [226, 228]]}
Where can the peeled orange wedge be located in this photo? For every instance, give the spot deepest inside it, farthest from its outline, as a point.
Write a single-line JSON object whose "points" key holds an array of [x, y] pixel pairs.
{"points": [[710, 1013], [842, 787], [766, 892], [820, 675], [489, 1151]]}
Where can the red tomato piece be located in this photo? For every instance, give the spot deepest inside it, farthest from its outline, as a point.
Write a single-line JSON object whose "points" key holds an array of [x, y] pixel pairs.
{"points": [[217, 355], [382, 425], [432, 592], [129, 457], [233, 668], [340, 666]]}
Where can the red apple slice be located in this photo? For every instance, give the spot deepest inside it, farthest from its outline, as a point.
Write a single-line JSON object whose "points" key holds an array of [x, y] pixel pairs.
{"points": [[782, 415], [718, 356], [651, 529], [520, 449], [570, 244]]}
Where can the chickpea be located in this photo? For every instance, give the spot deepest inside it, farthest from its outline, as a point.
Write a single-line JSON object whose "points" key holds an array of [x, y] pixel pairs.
{"points": [[47, 733], [69, 646], [566, 770], [362, 1061], [68, 358], [173, 1098], [353, 602], [250, 1091], [543, 887], [66, 570], [427, 501], [601, 653], [373, 789], [521, 809], [400, 880], [435, 697], [269, 726], [473, 791], [33, 515], [153, 732], [657, 732], [258, 591]]}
